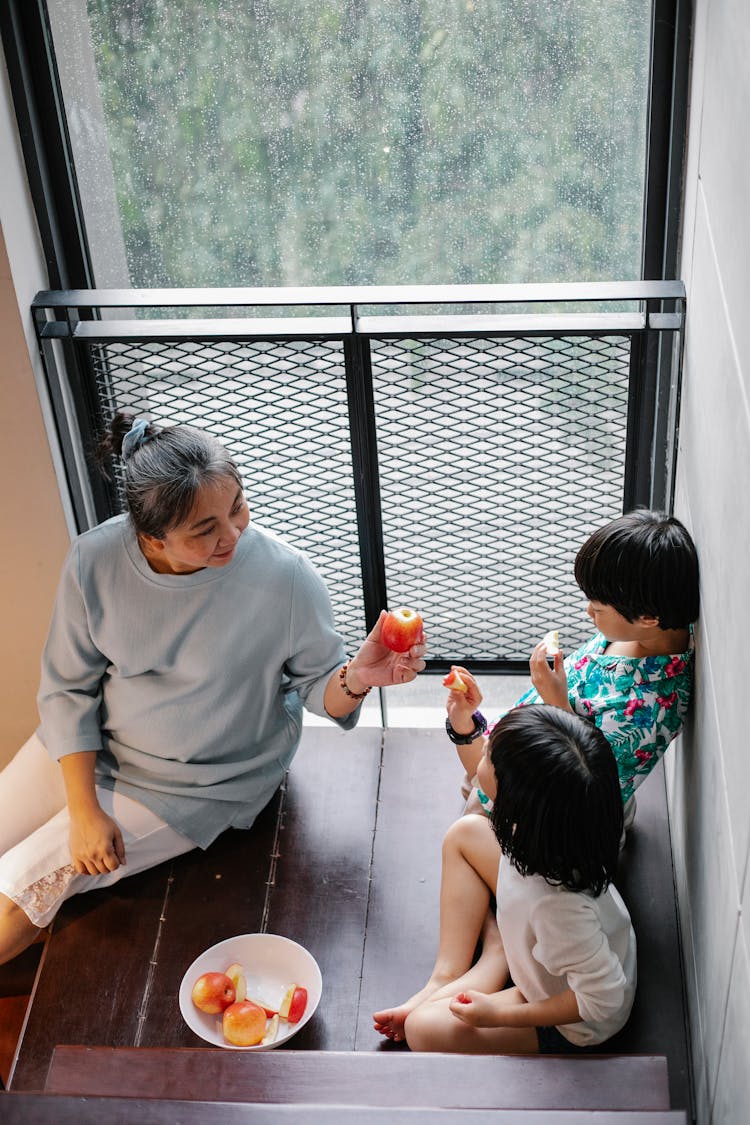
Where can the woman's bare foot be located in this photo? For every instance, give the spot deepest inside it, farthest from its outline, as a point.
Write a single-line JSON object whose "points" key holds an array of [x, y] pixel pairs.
{"points": [[390, 1022]]}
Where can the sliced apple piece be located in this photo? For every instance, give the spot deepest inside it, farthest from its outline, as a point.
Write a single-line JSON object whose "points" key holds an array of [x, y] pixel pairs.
{"points": [[454, 682], [286, 1003], [298, 1005], [552, 642], [270, 1012], [272, 1030], [236, 974]]}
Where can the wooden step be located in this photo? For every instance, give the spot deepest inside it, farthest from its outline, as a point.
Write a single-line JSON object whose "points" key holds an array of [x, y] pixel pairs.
{"points": [[59, 1109], [362, 1078], [347, 862]]}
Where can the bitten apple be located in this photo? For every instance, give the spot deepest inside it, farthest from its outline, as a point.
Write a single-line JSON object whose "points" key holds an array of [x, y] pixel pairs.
{"points": [[401, 629], [243, 1024], [213, 992], [293, 1005], [454, 682]]}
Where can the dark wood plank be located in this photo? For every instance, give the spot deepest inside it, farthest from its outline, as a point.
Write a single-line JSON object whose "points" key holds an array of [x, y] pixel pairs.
{"points": [[214, 894], [59, 1109], [419, 798], [110, 973], [645, 880], [322, 878], [93, 973], [365, 1078]]}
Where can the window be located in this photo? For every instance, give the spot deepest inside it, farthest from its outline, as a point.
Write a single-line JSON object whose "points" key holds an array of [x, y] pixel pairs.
{"points": [[326, 142]]}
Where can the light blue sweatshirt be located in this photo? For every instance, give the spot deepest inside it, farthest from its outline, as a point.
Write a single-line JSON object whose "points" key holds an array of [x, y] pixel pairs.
{"points": [[190, 686]]}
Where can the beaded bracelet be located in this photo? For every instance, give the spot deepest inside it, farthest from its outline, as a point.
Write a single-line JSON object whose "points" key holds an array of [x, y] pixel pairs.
{"points": [[345, 687]]}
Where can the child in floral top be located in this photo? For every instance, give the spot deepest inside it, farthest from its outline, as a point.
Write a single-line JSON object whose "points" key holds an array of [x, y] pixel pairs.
{"points": [[634, 678]]}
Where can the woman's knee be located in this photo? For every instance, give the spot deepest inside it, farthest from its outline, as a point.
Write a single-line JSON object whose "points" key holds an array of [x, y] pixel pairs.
{"points": [[31, 770], [17, 931]]}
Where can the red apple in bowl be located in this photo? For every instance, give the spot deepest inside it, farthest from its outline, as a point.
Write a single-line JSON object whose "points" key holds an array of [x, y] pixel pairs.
{"points": [[401, 629], [244, 1023], [213, 992]]}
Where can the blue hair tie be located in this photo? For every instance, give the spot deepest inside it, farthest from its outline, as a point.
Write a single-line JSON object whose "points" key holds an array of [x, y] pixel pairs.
{"points": [[135, 437]]}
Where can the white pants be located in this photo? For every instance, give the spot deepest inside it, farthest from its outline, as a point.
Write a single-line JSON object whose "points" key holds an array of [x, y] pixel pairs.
{"points": [[35, 866]]}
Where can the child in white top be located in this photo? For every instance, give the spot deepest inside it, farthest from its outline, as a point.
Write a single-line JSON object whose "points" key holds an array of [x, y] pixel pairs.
{"points": [[564, 938]]}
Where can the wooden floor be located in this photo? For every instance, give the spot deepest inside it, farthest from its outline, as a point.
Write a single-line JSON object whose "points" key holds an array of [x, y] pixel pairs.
{"points": [[345, 860]]}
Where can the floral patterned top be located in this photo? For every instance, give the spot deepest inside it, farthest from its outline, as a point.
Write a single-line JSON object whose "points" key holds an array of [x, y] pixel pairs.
{"points": [[639, 703]]}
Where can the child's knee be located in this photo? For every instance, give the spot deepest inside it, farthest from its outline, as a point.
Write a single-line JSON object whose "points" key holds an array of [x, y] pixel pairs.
{"points": [[417, 1028], [464, 829]]}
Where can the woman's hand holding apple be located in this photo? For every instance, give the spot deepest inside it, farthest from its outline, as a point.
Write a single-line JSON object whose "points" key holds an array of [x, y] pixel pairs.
{"points": [[377, 665]]}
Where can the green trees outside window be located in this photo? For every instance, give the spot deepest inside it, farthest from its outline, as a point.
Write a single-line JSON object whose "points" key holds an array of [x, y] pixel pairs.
{"points": [[322, 142]]}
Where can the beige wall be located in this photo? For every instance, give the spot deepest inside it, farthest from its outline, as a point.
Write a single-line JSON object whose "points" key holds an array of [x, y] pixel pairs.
{"points": [[710, 774], [35, 533]]}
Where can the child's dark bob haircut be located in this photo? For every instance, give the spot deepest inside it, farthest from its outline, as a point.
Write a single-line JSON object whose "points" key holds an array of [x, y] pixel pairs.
{"points": [[644, 564], [558, 810]]}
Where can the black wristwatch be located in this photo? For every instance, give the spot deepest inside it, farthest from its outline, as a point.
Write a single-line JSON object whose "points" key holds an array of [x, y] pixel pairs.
{"points": [[480, 727]]}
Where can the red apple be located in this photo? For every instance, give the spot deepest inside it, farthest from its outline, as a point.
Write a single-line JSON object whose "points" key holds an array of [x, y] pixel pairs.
{"points": [[293, 1005], [244, 1023], [213, 992], [401, 629], [454, 682]]}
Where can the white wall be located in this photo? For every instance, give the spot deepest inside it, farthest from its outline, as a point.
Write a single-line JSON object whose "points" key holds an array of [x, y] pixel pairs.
{"points": [[709, 777]]}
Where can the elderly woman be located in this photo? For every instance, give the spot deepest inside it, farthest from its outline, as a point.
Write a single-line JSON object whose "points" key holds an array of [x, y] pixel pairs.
{"points": [[183, 646]]}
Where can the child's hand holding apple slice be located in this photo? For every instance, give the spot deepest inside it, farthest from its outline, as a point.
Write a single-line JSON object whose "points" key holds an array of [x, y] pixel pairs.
{"points": [[547, 668], [463, 699]]}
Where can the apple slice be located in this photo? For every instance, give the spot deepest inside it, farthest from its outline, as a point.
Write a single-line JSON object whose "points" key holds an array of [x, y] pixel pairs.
{"points": [[272, 1031], [286, 1002], [236, 974], [298, 1005], [293, 1005], [454, 682], [270, 1012], [552, 642]]}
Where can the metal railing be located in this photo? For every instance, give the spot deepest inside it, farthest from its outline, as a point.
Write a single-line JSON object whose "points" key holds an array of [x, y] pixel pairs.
{"points": [[443, 446]]}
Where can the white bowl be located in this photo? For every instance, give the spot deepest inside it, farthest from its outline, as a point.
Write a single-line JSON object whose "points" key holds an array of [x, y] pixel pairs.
{"points": [[271, 963]]}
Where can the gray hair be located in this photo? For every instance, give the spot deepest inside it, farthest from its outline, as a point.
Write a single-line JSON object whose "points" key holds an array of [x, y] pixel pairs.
{"points": [[163, 470]]}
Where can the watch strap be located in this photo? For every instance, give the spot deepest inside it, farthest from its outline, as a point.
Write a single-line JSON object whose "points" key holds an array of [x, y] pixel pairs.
{"points": [[480, 727]]}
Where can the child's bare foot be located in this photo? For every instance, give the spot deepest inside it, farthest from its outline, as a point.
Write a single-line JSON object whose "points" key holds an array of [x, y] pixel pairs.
{"points": [[390, 1022]]}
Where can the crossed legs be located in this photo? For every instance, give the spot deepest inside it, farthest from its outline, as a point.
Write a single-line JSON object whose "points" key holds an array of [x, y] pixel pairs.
{"points": [[471, 857]]}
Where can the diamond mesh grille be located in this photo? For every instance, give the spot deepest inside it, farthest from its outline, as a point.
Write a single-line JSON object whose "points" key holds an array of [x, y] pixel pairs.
{"points": [[496, 458], [281, 410]]}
